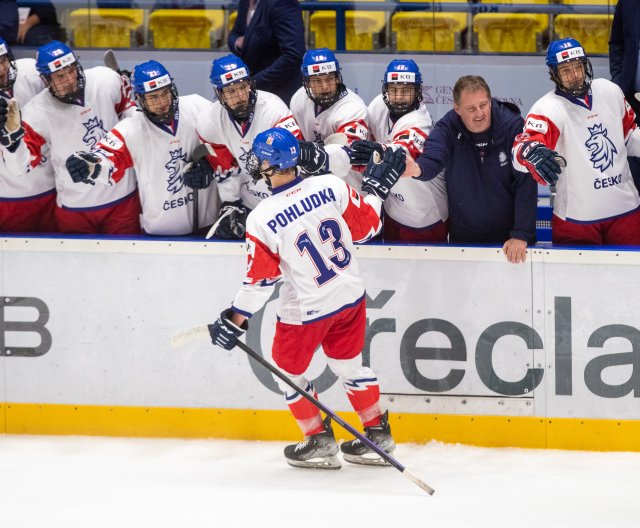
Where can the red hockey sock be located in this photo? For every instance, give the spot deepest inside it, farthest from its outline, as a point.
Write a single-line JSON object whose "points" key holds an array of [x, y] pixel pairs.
{"points": [[306, 414], [364, 396]]}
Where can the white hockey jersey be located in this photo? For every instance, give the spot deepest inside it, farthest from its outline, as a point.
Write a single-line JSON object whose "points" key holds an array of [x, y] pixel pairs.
{"points": [[594, 135], [56, 130], [348, 115], [412, 203], [304, 234], [39, 181], [232, 143], [158, 154]]}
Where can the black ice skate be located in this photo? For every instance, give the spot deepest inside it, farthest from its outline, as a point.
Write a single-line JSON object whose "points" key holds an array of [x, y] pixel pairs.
{"points": [[357, 452], [316, 451]]}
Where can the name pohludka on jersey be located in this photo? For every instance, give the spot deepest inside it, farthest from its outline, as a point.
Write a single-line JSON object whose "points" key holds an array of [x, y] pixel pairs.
{"points": [[298, 209]]}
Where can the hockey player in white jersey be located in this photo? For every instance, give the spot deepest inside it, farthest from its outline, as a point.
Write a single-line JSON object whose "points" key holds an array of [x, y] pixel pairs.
{"points": [[228, 129], [416, 211], [158, 142], [577, 137], [303, 235], [325, 106], [27, 204], [74, 114]]}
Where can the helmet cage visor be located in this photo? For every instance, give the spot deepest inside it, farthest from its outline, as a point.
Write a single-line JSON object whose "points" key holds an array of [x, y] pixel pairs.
{"points": [[239, 98], [576, 91]]}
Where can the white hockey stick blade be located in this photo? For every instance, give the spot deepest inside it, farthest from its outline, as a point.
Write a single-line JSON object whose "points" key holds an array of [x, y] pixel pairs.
{"points": [[183, 337], [637, 96], [338, 138], [414, 478], [110, 60]]}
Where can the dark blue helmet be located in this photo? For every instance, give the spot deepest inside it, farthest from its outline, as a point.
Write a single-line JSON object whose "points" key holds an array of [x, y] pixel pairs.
{"points": [[568, 50], [229, 70], [278, 147], [12, 72], [147, 78], [54, 56], [322, 61], [402, 71]]}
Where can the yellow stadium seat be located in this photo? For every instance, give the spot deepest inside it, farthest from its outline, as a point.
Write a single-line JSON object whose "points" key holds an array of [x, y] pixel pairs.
{"points": [[419, 31], [592, 31], [106, 28], [510, 32], [186, 28], [362, 29]]}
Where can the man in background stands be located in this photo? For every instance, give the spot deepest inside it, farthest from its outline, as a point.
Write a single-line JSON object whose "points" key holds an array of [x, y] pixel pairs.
{"points": [[269, 37]]}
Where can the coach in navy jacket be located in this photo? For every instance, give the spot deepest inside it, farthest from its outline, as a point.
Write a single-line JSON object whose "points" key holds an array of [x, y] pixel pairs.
{"points": [[9, 20], [489, 201], [272, 45]]}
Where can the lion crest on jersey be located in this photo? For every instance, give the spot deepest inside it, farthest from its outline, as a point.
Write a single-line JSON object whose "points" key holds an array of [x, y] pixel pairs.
{"points": [[601, 148], [95, 132], [174, 169]]}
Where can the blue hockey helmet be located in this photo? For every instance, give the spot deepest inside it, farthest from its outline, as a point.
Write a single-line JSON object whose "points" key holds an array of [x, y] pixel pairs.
{"points": [[229, 70], [278, 147], [322, 61], [55, 56], [568, 50], [147, 78], [10, 72], [402, 71]]}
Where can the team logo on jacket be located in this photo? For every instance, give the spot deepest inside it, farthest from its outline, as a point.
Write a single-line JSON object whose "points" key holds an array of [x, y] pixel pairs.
{"points": [[601, 148], [95, 132], [174, 170]]}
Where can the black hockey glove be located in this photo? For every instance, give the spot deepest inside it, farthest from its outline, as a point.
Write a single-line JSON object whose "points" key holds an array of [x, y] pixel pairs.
{"points": [[224, 333], [313, 159], [11, 131], [84, 167], [543, 163], [382, 174], [362, 150], [198, 174], [231, 222]]}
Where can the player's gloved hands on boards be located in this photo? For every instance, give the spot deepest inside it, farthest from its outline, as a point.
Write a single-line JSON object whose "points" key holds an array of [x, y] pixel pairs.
{"points": [[382, 173], [224, 333], [313, 159], [543, 163], [362, 150], [11, 131], [83, 167], [231, 222], [198, 174]]}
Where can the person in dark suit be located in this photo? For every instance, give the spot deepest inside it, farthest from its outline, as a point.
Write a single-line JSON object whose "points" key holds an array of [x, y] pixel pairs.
{"points": [[268, 36], [624, 49], [9, 20]]}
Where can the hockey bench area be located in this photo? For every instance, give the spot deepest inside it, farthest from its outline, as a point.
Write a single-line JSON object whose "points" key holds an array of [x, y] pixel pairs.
{"points": [[468, 348]]}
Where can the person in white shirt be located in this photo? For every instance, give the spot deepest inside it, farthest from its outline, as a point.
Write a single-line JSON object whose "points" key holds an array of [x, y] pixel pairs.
{"points": [[158, 142], [228, 129], [27, 203], [74, 114], [303, 235], [416, 211], [577, 138], [324, 106]]}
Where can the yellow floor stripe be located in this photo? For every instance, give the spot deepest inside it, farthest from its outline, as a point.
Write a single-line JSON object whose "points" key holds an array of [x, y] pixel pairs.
{"points": [[491, 431]]}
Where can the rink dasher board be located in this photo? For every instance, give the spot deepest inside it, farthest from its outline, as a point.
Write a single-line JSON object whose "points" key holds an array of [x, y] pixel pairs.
{"points": [[467, 347]]}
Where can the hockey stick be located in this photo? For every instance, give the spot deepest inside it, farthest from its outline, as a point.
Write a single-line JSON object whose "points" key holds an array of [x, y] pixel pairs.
{"points": [[185, 336], [110, 60], [199, 152]]}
